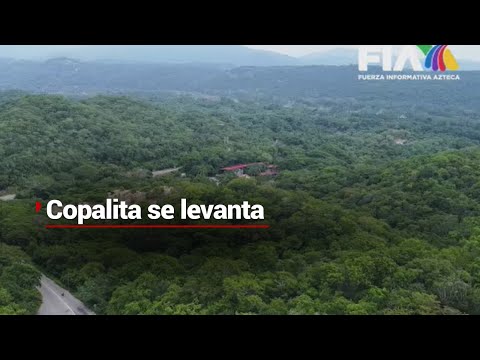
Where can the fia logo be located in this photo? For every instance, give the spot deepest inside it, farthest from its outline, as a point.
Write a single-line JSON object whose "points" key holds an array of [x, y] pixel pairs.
{"points": [[436, 58]]}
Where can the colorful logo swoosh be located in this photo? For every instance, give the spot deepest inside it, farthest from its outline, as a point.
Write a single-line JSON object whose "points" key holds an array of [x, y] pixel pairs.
{"points": [[439, 58]]}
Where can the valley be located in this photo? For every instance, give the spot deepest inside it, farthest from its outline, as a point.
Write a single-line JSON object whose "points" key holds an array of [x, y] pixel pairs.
{"points": [[371, 196]]}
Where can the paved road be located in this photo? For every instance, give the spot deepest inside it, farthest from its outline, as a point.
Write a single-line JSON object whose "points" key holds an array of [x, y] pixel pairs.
{"points": [[56, 304]]}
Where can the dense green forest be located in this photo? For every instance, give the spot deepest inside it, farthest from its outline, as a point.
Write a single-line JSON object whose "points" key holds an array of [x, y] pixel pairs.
{"points": [[375, 210], [18, 279]]}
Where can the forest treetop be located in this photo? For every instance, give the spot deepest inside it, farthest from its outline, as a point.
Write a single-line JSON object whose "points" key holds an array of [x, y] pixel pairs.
{"points": [[375, 209]]}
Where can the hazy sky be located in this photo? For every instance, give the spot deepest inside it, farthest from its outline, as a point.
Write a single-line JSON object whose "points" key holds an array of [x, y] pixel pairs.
{"points": [[461, 51], [298, 50], [465, 52]]}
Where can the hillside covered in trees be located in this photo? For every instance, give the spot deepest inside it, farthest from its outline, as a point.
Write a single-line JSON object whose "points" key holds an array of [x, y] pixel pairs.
{"points": [[375, 209]]}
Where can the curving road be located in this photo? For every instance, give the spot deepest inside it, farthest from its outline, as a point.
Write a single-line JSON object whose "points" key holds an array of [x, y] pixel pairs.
{"points": [[58, 301]]}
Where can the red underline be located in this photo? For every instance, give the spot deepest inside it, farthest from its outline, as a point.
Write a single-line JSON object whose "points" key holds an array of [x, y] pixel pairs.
{"points": [[157, 226]]}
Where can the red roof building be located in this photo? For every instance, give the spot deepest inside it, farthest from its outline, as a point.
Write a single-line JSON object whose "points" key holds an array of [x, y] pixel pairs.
{"points": [[272, 170], [240, 166]]}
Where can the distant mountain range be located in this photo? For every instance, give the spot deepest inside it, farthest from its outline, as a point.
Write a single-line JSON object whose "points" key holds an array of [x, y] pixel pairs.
{"points": [[226, 55], [72, 77], [234, 55]]}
